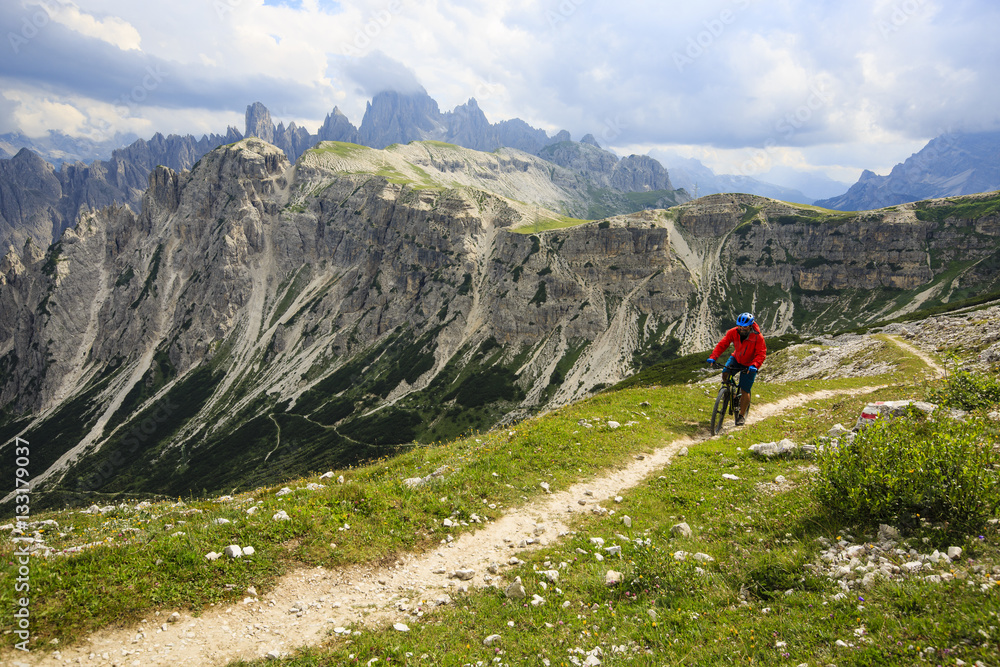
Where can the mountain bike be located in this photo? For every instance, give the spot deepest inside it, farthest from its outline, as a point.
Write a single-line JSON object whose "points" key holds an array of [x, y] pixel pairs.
{"points": [[728, 400]]}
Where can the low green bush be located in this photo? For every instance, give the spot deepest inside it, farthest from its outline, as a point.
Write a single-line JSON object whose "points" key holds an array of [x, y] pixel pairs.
{"points": [[916, 467], [968, 391]]}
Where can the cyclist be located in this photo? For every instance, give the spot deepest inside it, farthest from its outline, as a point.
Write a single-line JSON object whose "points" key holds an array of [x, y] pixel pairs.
{"points": [[749, 351]]}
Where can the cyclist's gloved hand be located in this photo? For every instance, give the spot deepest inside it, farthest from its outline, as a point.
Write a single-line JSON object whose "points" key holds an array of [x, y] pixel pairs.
{"points": [[751, 369], [711, 361]]}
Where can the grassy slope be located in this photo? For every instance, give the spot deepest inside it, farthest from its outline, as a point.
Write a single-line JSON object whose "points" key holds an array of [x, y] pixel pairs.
{"points": [[760, 541]]}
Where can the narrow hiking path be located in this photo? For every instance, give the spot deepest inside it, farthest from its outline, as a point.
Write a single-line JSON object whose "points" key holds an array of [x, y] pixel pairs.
{"points": [[939, 370], [308, 603]]}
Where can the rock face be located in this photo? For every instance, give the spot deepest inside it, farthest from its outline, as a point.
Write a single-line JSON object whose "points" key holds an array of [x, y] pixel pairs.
{"points": [[39, 202], [948, 166], [290, 317]]}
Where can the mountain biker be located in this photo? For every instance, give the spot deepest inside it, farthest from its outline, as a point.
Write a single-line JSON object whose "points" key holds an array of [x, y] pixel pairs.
{"points": [[749, 351]]}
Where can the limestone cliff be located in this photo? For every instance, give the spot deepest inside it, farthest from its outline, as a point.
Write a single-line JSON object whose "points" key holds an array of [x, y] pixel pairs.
{"points": [[259, 319]]}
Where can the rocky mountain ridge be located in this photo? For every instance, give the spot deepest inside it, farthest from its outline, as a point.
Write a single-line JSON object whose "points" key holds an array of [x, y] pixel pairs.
{"points": [[950, 165], [40, 202], [292, 316]]}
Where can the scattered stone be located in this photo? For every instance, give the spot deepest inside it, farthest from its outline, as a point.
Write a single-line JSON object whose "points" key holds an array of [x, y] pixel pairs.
{"points": [[327, 475], [211, 555], [401, 627], [220, 521], [683, 451], [491, 640], [249, 551], [730, 476], [536, 600], [516, 589], [551, 575], [283, 492], [281, 515], [704, 558], [545, 487], [613, 425], [313, 486], [234, 551], [612, 578], [681, 530], [772, 449], [627, 520], [463, 575], [174, 618]]}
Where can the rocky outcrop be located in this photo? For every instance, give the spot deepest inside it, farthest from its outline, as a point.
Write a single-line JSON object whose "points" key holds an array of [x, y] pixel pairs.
{"points": [[258, 123], [639, 173], [39, 202], [948, 166]]}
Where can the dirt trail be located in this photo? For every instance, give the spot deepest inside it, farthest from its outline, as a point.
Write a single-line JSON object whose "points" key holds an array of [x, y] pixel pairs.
{"points": [[333, 599], [938, 369]]}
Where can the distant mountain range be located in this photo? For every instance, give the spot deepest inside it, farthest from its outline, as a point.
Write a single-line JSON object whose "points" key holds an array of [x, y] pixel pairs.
{"points": [[46, 183], [948, 166], [39, 201]]}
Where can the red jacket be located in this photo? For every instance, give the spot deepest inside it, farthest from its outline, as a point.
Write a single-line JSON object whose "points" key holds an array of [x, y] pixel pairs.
{"points": [[749, 352]]}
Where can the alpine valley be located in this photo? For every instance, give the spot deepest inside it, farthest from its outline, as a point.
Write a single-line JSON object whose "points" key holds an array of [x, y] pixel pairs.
{"points": [[260, 319]]}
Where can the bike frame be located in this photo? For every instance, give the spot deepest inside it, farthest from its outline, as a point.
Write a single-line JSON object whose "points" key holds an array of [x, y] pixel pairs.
{"points": [[728, 399]]}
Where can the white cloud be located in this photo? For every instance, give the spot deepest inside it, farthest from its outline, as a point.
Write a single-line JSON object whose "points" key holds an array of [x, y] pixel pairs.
{"points": [[781, 77], [110, 29]]}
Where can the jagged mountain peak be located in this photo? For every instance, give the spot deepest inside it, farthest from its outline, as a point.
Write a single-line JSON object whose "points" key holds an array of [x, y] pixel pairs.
{"points": [[949, 165]]}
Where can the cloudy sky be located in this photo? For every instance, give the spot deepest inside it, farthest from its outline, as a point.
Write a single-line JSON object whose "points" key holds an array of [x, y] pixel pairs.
{"points": [[745, 86]]}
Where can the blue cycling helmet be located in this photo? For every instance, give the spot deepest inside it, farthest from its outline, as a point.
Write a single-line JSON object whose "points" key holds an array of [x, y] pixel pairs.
{"points": [[744, 320]]}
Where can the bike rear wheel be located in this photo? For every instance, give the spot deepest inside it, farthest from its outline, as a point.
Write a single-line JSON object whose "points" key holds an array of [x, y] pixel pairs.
{"points": [[722, 402]]}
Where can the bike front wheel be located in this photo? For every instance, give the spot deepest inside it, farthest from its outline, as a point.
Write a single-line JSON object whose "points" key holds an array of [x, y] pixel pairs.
{"points": [[721, 408]]}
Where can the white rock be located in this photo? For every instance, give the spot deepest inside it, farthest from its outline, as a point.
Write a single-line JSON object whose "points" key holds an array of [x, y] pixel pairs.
{"points": [[252, 510], [401, 627], [954, 553], [234, 551], [537, 600], [627, 520], [729, 476], [516, 589], [551, 575], [545, 487], [613, 424], [249, 551], [683, 451], [463, 575], [220, 521], [491, 640], [704, 558], [284, 491], [174, 618], [327, 475], [340, 479], [313, 486], [612, 578], [211, 555], [281, 515], [681, 530]]}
